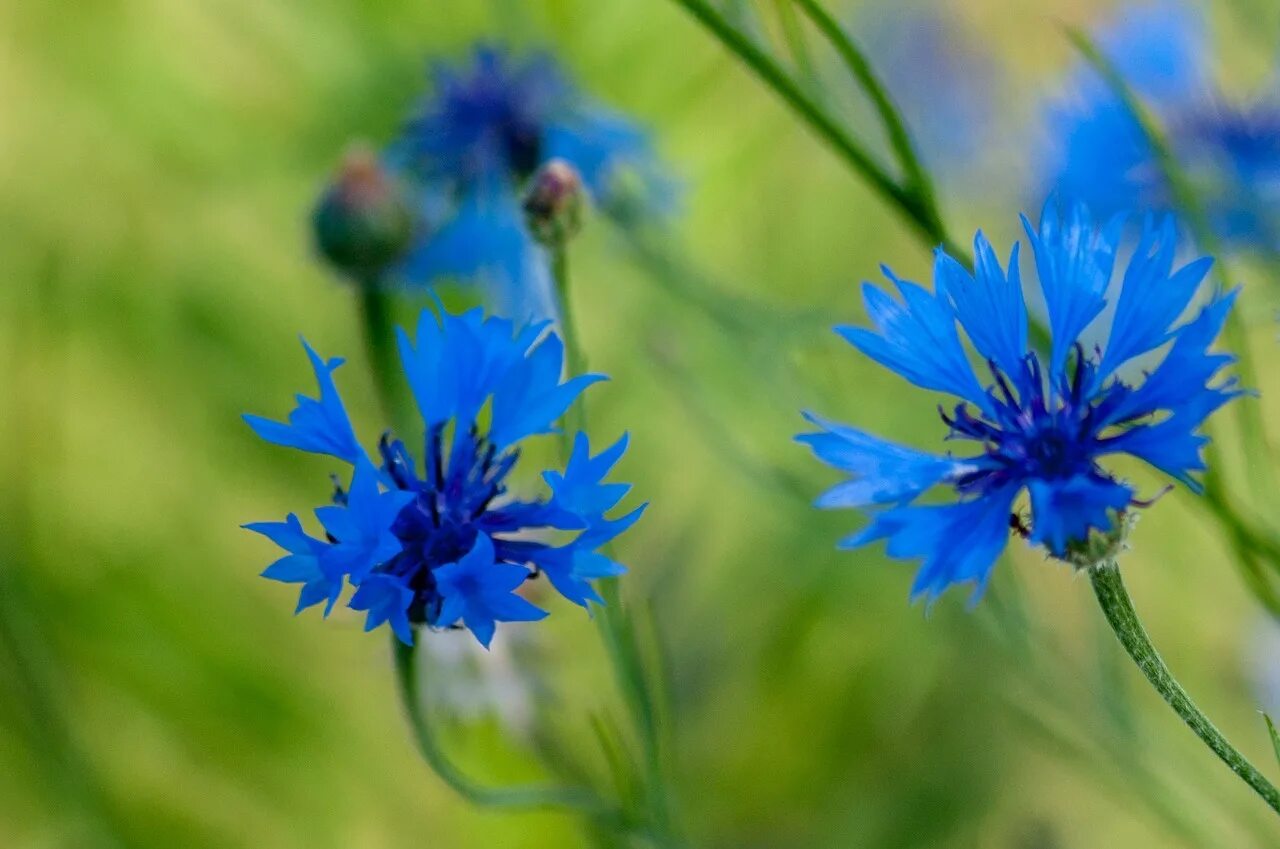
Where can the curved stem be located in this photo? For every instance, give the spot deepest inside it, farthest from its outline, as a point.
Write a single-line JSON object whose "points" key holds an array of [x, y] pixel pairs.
{"points": [[529, 796], [1118, 608]]}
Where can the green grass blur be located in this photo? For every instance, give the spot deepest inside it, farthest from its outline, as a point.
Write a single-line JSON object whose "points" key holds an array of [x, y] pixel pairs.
{"points": [[157, 164]]}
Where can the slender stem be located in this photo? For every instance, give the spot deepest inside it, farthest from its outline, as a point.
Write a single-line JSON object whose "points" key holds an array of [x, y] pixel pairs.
{"points": [[617, 630], [908, 203], [379, 339], [530, 796], [575, 359], [1118, 608], [917, 178]]}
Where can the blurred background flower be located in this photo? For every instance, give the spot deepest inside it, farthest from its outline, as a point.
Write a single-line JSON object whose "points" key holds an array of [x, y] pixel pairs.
{"points": [[1224, 142], [475, 140]]}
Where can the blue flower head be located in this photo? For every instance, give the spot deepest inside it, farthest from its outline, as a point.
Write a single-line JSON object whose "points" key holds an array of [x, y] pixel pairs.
{"points": [[1040, 423], [485, 129], [442, 542], [1101, 156]]}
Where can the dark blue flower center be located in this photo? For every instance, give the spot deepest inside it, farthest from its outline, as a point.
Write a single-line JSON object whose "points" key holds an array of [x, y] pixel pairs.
{"points": [[440, 525], [1032, 431]]}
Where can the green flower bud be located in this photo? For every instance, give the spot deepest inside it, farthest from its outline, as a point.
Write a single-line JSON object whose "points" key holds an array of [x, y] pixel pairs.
{"points": [[553, 203], [365, 220]]}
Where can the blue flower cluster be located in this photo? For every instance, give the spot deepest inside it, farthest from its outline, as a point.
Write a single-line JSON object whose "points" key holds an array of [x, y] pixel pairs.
{"points": [[1228, 150], [443, 542], [1043, 420], [473, 143]]}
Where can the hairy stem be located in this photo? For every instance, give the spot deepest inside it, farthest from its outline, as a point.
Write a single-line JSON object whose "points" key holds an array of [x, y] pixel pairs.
{"points": [[1116, 605]]}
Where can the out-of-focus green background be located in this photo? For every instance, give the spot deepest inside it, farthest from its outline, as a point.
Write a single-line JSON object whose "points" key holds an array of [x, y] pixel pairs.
{"points": [[157, 164]]}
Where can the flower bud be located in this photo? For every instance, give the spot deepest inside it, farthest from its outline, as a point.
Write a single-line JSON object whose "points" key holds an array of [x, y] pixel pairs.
{"points": [[365, 221], [553, 203]]}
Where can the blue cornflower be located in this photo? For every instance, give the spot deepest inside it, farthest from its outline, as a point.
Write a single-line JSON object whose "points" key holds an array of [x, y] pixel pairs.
{"points": [[1100, 154], [1042, 422], [485, 129], [442, 542]]}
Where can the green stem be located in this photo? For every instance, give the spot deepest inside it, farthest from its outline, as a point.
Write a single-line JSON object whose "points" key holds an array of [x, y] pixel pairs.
{"points": [[1118, 608], [909, 204], [917, 178], [575, 358], [380, 344], [531, 796], [617, 630]]}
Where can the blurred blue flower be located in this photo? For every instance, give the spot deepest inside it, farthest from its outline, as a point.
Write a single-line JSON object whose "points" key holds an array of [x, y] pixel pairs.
{"points": [[939, 77], [1040, 424], [484, 130], [1101, 156], [442, 542]]}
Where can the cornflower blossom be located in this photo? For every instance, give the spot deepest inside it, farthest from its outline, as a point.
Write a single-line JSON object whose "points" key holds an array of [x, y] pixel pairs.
{"points": [[1041, 422], [1225, 147], [443, 542], [475, 141]]}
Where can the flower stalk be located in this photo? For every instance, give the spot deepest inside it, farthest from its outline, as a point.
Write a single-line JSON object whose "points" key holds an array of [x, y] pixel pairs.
{"points": [[617, 627], [1118, 608]]}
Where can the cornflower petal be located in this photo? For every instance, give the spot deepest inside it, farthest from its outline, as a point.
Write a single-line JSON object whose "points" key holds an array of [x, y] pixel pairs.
{"points": [[917, 339]]}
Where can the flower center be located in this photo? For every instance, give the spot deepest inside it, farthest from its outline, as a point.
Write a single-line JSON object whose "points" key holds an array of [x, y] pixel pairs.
{"points": [[438, 526]]}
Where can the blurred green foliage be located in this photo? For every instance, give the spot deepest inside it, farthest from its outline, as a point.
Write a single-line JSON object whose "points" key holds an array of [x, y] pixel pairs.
{"points": [[158, 161]]}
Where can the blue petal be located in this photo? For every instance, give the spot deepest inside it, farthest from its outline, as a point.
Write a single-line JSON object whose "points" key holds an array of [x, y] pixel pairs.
{"points": [[1063, 511], [883, 471], [989, 304], [1182, 378], [386, 599], [318, 426], [917, 339], [482, 590], [1151, 298], [432, 381], [362, 526], [1173, 446], [1074, 261], [307, 563], [957, 542], [485, 240], [530, 398], [580, 488]]}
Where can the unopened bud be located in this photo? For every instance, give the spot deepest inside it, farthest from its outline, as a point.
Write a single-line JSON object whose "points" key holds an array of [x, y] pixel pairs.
{"points": [[553, 204], [365, 221]]}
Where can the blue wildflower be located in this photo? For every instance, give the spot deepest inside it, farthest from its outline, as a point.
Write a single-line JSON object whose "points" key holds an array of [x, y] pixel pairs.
{"points": [[442, 542], [1040, 424], [1101, 155], [483, 132]]}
